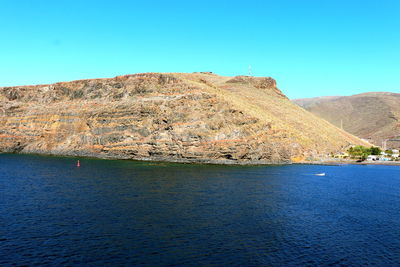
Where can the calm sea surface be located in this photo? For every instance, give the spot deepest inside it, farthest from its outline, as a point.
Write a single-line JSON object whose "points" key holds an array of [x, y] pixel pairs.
{"points": [[134, 213]]}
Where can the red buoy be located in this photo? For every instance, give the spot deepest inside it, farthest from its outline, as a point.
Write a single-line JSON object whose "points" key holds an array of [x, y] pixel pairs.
{"points": [[78, 164]]}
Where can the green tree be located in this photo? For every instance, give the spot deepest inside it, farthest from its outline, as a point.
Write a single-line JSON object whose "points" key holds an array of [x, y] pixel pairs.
{"points": [[375, 150], [362, 152]]}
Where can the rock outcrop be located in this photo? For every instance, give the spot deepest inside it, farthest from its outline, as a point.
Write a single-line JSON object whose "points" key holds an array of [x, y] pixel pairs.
{"points": [[177, 117]]}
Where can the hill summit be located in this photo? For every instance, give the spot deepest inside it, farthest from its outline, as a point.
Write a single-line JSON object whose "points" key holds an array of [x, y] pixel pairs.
{"points": [[176, 117]]}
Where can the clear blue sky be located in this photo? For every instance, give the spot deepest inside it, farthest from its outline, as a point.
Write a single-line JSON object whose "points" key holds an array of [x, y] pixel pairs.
{"points": [[311, 47]]}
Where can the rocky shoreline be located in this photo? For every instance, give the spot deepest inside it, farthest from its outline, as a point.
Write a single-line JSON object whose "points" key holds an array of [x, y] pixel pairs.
{"points": [[213, 162], [158, 160]]}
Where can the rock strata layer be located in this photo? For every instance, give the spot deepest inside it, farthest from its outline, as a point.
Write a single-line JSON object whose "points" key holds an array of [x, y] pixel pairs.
{"points": [[177, 117]]}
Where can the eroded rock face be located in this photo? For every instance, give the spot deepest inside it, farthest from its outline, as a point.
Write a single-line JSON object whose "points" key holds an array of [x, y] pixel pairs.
{"points": [[198, 117], [263, 82]]}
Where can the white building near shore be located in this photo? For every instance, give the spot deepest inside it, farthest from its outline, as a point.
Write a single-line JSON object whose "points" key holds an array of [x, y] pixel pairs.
{"points": [[372, 158]]}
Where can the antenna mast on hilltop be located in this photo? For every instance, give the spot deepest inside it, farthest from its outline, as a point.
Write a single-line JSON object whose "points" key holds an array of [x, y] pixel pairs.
{"points": [[250, 73]]}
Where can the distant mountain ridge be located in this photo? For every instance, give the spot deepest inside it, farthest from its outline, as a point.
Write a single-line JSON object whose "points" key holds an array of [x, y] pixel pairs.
{"points": [[307, 102], [374, 116]]}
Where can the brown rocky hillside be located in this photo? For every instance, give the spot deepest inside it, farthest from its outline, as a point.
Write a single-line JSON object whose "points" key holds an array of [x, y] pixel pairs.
{"points": [[199, 117], [374, 116]]}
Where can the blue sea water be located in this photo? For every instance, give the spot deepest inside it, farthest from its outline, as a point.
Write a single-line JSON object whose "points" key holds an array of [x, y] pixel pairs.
{"points": [[110, 212]]}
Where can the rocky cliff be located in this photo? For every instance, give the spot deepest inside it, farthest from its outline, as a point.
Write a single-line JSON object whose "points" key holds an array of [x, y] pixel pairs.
{"points": [[199, 117]]}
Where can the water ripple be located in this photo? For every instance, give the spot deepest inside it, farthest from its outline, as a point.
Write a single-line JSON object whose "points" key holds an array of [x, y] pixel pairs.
{"points": [[134, 213]]}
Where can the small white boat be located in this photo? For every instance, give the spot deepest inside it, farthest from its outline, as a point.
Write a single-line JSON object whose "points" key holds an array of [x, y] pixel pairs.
{"points": [[320, 174]]}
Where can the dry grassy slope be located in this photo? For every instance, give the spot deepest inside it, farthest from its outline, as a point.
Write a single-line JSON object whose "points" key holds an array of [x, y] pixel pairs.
{"points": [[198, 117], [374, 116], [293, 125]]}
